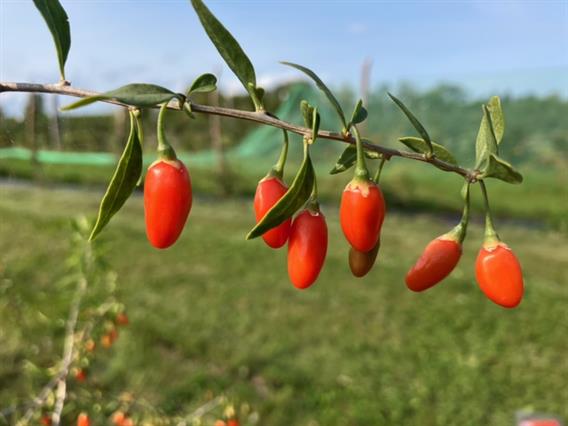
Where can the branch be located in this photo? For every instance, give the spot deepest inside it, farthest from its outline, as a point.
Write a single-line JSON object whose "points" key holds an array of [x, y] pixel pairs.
{"points": [[257, 117]]}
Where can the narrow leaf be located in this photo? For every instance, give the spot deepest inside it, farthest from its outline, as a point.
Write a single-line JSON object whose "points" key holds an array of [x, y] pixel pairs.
{"points": [[486, 143], [123, 181], [315, 124], [348, 159], [417, 125], [500, 169], [359, 113], [497, 118], [203, 84], [58, 23], [295, 197], [419, 145], [321, 85], [228, 47], [136, 94], [307, 112]]}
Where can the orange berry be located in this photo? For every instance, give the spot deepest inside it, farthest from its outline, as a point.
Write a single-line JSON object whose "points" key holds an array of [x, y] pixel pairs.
{"points": [[122, 319], [118, 418], [220, 423], [83, 420], [80, 375], [90, 345]]}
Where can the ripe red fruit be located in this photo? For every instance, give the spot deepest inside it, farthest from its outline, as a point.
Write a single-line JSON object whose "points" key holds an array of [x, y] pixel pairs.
{"points": [[128, 422], [118, 418], [46, 420], [83, 420], [307, 247], [360, 262], [499, 274], [362, 213], [233, 422], [438, 260], [122, 319], [268, 191], [80, 375], [167, 201]]}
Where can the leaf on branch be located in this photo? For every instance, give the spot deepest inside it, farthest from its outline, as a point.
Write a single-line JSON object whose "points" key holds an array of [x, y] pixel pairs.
{"points": [[307, 112], [228, 47], [497, 118], [321, 85], [414, 121], [498, 168], [295, 197], [58, 23], [420, 146], [359, 113], [486, 142], [315, 124], [203, 84], [348, 158], [136, 94], [124, 180]]}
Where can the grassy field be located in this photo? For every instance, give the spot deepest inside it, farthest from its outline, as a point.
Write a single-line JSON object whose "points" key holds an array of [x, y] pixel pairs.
{"points": [[217, 314]]}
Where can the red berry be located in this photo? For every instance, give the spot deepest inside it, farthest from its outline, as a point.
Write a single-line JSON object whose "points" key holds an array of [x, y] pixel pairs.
{"points": [[438, 260], [362, 213], [361, 262], [118, 418], [268, 192], [80, 375], [128, 422], [122, 319], [499, 275], [307, 247], [83, 420], [46, 420], [233, 422], [167, 201]]}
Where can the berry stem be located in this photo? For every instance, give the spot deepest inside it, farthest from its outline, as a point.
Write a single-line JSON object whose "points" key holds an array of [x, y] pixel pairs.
{"points": [[361, 171], [278, 169], [491, 236], [165, 150]]}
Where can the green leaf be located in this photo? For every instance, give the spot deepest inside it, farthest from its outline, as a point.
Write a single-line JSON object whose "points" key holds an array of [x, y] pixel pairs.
{"points": [[228, 47], [497, 118], [417, 125], [315, 124], [58, 24], [419, 145], [498, 168], [203, 84], [321, 85], [307, 112], [359, 113], [137, 94], [123, 181], [348, 158], [486, 142], [295, 197]]}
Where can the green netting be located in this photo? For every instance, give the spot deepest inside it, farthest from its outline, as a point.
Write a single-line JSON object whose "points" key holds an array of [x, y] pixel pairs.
{"points": [[260, 147]]}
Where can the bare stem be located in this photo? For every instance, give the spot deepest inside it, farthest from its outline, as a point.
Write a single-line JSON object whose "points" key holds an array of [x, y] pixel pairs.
{"points": [[261, 117]]}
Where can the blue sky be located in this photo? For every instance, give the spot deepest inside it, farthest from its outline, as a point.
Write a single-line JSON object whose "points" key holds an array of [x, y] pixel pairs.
{"points": [[503, 46]]}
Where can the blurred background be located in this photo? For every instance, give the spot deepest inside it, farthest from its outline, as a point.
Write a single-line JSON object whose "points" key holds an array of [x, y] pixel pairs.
{"points": [[216, 315]]}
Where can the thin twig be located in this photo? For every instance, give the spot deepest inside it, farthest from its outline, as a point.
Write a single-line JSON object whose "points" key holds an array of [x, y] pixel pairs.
{"points": [[60, 379], [257, 117]]}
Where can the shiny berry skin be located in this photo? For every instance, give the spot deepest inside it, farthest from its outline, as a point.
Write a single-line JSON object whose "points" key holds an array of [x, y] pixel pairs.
{"points": [[233, 422], [83, 420], [167, 201], [307, 247], [499, 275], [360, 262], [362, 213], [268, 191], [437, 261]]}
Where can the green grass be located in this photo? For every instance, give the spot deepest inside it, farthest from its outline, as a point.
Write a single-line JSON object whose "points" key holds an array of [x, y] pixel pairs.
{"points": [[217, 314]]}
